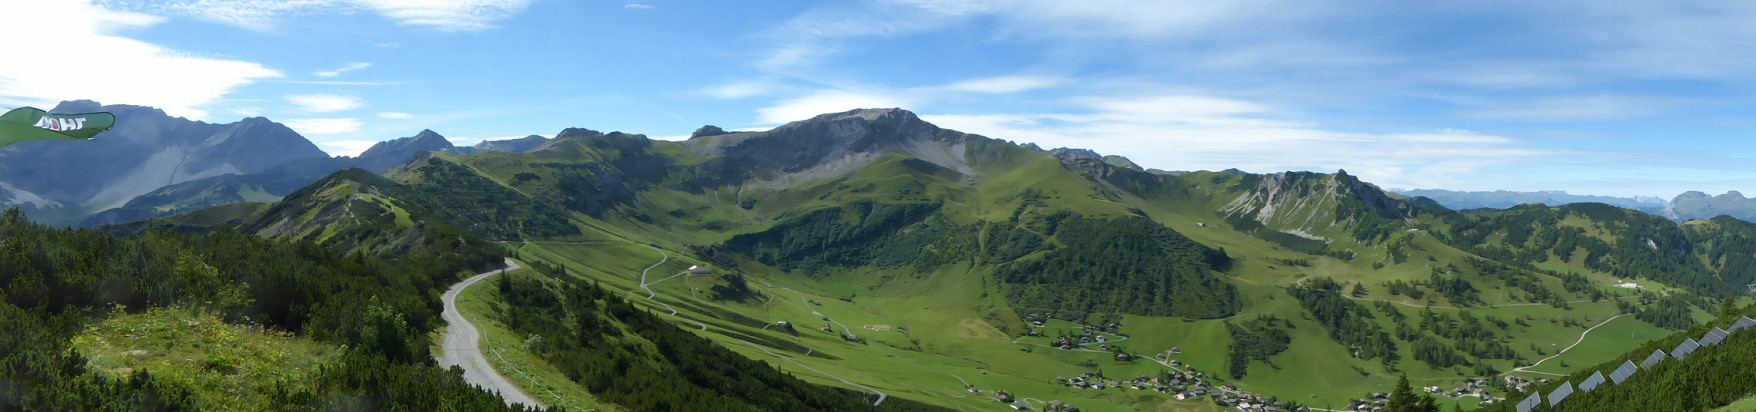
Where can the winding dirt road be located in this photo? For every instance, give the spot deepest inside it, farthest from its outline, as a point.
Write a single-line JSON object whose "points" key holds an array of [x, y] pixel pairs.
{"points": [[1570, 347], [463, 347]]}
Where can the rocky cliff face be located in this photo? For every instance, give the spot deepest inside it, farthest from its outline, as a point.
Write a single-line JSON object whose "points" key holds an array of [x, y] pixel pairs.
{"points": [[1312, 204]]}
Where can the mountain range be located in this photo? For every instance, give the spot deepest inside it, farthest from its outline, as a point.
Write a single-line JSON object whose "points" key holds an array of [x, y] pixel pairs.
{"points": [[153, 164], [965, 262]]}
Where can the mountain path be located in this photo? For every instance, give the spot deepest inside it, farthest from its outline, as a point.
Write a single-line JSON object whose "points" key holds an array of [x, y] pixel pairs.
{"points": [[463, 347], [850, 332], [652, 296], [1569, 347]]}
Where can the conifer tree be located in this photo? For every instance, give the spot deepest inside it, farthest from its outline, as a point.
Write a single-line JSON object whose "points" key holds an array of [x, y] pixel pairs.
{"points": [[1402, 399]]}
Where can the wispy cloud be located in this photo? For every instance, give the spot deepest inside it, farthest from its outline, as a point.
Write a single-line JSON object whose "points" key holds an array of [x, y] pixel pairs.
{"points": [[738, 90], [261, 15], [176, 81], [639, 6], [325, 103], [324, 126], [1600, 107], [447, 15], [1004, 84], [1181, 132], [350, 148], [337, 72]]}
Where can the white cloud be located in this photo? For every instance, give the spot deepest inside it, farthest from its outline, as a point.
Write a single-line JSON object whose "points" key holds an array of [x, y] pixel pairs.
{"points": [[260, 15], [324, 126], [396, 115], [350, 148], [1004, 84], [1208, 133], [826, 101], [817, 33], [639, 6], [737, 90], [447, 15], [173, 80], [250, 14], [325, 103], [337, 72]]}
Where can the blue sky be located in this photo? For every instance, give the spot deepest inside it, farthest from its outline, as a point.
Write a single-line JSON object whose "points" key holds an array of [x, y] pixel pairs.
{"points": [[1592, 97]]}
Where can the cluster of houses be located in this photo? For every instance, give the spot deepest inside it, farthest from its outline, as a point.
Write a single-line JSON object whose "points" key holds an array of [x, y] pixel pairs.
{"points": [[1519, 383], [1183, 385], [1713, 337], [1377, 402], [1067, 342], [1471, 387], [1019, 404]]}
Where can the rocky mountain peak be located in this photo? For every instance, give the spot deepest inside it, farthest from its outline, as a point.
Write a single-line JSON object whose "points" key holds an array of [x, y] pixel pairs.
{"points": [[392, 153], [708, 130], [77, 106], [428, 135], [577, 133]]}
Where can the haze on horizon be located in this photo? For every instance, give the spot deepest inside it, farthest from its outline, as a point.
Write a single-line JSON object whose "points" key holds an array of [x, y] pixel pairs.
{"points": [[1616, 98]]}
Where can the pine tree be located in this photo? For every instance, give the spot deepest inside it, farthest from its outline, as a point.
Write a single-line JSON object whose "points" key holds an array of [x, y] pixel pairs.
{"points": [[1426, 404], [1402, 399]]}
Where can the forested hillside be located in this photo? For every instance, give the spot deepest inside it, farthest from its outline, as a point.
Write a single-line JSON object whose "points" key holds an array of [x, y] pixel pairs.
{"points": [[58, 280], [1710, 377]]}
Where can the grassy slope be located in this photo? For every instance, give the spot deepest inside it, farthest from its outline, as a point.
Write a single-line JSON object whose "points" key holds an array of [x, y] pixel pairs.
{"points": [[230, 367], [951, 321], [507, 351], [1744, 405]]}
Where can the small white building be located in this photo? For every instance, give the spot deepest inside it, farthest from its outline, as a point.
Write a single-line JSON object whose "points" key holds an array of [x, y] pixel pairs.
{"points": [[699, 270]]}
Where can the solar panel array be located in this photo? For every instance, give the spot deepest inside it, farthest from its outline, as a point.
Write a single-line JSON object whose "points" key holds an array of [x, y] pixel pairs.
{"points": [[1657, 356], [1743, 322], [1714, 337], [1530, 403], [1560, 394], [1622, 373], [1684, 349], [1597, 378]]}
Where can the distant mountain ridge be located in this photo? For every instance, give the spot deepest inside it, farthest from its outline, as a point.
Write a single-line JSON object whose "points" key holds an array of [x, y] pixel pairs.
{"points": [[152, 164], [272, 184], [1691, 205], [1503, 199], [62, 181]]}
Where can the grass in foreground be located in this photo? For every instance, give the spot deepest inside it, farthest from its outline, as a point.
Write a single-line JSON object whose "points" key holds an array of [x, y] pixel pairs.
{"points": [[229, 367]]}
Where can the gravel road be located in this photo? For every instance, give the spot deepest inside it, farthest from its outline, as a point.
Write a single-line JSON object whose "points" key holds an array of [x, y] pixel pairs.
{"points": [[463, 347]]}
